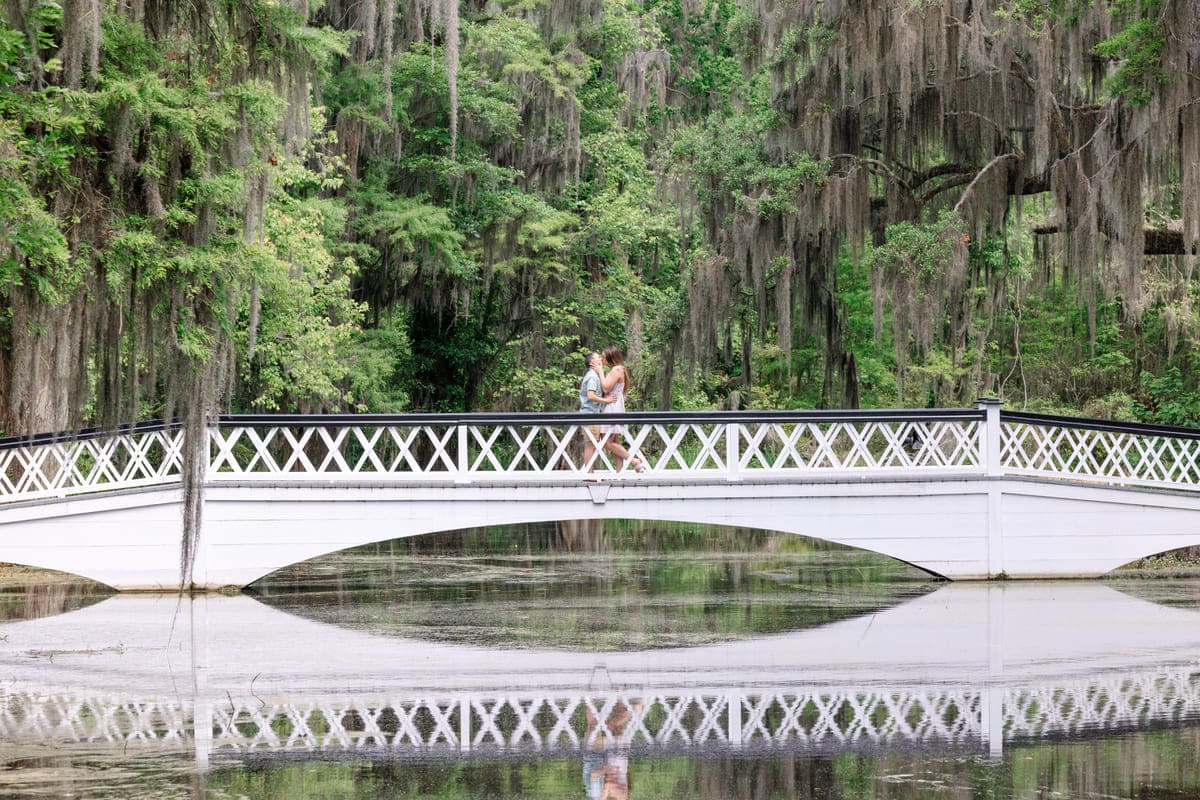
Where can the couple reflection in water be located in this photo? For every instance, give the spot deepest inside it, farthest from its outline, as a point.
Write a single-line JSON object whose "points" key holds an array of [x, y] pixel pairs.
{"points": [[606, 759]]}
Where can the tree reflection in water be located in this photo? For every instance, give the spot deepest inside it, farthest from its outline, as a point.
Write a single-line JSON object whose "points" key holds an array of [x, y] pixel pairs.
{"points": [[592, 585], [28, 593]]}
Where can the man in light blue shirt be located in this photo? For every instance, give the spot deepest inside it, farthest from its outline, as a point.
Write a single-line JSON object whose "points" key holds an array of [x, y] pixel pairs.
{"points": [[591, 401], [591, 396]]}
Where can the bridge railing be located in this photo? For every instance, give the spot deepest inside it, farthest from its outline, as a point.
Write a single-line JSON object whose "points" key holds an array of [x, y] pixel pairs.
{"points": [[1099, 451], [806, 445], [545, 446], [53, 465]]}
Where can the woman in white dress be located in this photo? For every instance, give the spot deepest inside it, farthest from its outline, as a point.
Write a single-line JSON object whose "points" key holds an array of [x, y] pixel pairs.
{"points": [[613, 383]]}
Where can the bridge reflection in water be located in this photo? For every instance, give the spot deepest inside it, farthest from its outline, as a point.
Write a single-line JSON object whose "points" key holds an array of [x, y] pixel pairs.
{"points": [[965, 669], [802, 720]]}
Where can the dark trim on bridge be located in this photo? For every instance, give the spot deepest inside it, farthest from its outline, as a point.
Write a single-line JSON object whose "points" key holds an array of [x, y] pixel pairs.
{"points": [[83, 434], [510, 418], [576, 418], [918, 415], [1140, 428]]}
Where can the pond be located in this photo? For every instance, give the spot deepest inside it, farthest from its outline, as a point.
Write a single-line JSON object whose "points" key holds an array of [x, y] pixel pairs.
{"points": [[602, 659]]}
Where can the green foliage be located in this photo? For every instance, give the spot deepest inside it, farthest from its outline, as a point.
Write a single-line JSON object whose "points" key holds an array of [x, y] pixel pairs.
{"points": [[37, 145], [705, 65], [1137, 49], [440, 370], [803, 45], [392, 273], [1135, 46], [781, 183], [1169, 400], [372, 360], [923, 252], [1046, 12], [416, 233], [307, 320], [35, 251], [726, 160]]}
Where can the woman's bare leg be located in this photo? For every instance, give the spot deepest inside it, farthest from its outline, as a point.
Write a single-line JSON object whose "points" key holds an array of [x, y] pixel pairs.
{"points": [[620, 454]]}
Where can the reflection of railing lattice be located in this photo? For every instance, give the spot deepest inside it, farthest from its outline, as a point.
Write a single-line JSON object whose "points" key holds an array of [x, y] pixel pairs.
{"points": [[817, 720], [1165, 699], [809, 720], [63, 717]]}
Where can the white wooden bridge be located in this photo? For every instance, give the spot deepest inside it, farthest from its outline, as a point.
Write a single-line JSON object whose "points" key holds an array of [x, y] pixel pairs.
{"points": [[966, 494]]}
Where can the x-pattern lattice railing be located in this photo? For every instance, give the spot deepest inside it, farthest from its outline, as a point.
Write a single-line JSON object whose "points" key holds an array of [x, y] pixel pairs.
{"points": [[797, 719], [50, 467], [1121, 454], [542, 446], [549, 447]]}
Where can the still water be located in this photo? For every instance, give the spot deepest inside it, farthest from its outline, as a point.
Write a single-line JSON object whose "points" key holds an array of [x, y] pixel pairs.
{"points": [[591, 660]]}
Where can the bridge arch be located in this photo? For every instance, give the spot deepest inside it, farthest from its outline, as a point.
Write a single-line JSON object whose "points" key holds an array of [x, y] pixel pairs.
{"points": [[241, 546], [307, 529]]}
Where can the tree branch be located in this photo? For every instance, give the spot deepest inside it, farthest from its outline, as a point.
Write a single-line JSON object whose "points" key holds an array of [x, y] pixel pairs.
{"points": [[966, 192], [957, 180], [940, 170], [1159, 242]]}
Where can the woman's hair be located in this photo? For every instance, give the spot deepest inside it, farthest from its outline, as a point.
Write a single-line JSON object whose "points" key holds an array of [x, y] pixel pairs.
{"points": [[613, 357]]}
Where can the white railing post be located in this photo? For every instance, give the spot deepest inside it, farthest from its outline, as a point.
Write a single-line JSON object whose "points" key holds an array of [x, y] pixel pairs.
{"points": [[990, 406], [462, 462], [733, 456], [993, 471], [212, 435]]}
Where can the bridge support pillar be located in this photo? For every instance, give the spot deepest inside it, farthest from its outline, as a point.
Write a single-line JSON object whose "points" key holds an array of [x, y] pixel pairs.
{"points": [[991, 460]]}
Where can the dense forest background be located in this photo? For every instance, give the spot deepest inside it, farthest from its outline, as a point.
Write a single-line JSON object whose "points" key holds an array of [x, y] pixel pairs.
{"points": [[392, 205]]}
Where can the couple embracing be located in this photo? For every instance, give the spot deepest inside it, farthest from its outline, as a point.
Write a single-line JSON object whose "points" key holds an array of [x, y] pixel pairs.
{"points": [[603, 392]]}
